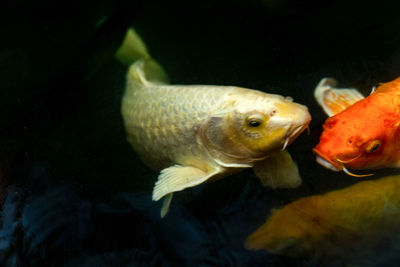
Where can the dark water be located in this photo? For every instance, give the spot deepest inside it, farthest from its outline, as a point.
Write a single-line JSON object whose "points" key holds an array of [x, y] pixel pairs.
{"points": [[76, 194]]}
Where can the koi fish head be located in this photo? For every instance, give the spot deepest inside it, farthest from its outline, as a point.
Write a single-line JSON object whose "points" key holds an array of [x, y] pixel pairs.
{"points": [[254, 125], [363, 136], [270, 123]]}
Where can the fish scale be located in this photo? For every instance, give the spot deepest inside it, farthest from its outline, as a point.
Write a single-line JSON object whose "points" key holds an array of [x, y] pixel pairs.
{"points": [[157, 109]]}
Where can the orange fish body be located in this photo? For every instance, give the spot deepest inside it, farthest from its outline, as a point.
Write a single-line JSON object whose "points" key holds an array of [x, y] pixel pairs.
{"points": [[361, 222], [365, 134]]}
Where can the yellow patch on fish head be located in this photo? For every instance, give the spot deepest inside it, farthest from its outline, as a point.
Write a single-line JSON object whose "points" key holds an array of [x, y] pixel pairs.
{"points": [[271, 128], [254, 132], [242, 136], [254, 125]]}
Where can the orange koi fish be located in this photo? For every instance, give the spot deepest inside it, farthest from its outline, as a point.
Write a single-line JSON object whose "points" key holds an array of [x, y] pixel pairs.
{"points": [[355, 225], [362, 133]]}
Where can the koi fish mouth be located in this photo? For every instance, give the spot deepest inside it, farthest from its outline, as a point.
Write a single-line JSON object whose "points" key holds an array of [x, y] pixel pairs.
{"points": [[327, 162], [337, 165]]}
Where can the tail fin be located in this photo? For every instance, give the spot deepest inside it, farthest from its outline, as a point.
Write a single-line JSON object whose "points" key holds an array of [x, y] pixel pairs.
{"points": [[134, 50]]}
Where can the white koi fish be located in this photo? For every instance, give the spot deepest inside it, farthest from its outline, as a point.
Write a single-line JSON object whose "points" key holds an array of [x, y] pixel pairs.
{"points": [[197, 133]]}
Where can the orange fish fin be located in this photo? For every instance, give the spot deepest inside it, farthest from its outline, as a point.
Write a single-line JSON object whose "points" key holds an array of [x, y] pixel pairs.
{"points": [[334, 100]]}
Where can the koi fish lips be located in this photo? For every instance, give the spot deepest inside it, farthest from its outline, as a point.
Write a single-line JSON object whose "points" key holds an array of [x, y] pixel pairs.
{"points": [[326, 162], [336, 165]]}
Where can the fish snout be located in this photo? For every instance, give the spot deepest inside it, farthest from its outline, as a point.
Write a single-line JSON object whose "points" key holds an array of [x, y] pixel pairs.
{"points": [[300, 119], [326, 161], [296, 118]]}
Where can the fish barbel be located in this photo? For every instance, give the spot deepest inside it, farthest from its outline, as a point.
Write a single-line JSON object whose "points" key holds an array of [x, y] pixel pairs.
{"points": [[195, 133]]}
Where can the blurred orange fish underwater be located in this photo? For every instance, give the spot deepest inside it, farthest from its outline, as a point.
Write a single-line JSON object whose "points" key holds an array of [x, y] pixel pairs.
{"points": [[363, 133], [358, 225]]}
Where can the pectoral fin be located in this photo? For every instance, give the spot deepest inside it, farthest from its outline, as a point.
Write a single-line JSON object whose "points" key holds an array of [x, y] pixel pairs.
{"points": [[278, 171], [334, 100], [177, 178], [166, 203]]}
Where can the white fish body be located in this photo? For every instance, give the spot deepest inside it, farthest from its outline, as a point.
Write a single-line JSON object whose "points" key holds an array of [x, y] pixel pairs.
{"points": [[196, 132]]}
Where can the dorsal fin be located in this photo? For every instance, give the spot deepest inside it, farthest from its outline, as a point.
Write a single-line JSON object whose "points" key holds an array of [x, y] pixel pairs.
{"points": [[334, 100]]}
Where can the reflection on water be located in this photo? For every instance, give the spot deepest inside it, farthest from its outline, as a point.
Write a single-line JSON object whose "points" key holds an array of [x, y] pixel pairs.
{"points": [[77, 194]]}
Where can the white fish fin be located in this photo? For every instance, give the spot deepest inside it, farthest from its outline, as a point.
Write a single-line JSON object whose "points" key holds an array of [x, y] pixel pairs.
{"points": [[278, 171], [334, 100], [166, 203], [177, 178]]}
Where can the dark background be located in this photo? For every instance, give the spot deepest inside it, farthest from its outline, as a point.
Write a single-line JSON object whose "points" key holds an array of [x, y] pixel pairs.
{"points": [[74, 191]]}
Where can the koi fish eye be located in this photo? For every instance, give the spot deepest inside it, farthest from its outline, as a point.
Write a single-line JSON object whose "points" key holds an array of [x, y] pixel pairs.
{"points": [[254, 120], [373, 146]]}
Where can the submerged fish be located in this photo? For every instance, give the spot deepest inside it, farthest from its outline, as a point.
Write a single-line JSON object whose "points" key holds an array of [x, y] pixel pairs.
{"points": [[358, 224], [363, 133], [196, 133]]}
